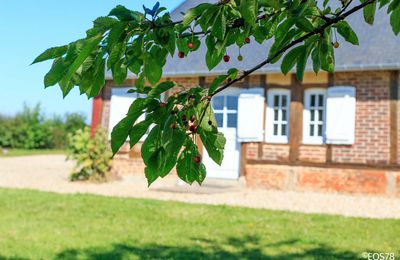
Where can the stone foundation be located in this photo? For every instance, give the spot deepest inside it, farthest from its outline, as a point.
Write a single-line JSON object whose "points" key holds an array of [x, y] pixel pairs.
{"points": [[321, 179]]}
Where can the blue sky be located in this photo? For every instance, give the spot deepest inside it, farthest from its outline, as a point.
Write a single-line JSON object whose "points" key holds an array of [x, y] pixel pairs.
{"points": [[29, 27]]}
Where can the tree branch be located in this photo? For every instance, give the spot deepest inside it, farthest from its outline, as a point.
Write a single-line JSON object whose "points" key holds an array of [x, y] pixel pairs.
{"points": [[341, 16], [318, 30]]}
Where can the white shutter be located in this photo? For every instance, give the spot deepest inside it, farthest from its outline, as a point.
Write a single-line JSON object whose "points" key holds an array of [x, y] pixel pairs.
{"points": [[251, 115], [340, 115], [119, 105]]}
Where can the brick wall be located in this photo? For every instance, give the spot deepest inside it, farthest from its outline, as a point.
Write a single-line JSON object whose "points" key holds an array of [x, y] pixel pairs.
{"points": [[312, 153], [275, 152], [302, 178], [372, 137]]}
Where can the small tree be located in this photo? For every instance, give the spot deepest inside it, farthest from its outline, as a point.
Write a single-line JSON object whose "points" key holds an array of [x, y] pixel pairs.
{"points": [[141, 41], [92, 155]]}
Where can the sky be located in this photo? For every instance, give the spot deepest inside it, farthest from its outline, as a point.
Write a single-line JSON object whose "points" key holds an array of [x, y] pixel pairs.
{"points": [[27, 28]]}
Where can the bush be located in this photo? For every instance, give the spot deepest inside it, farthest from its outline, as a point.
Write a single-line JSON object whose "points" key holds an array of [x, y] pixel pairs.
{"points": [[92, 155], [30, 129]]}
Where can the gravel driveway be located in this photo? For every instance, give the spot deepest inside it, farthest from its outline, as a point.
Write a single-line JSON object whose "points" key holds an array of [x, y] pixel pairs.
{"points": [[50, 173]]}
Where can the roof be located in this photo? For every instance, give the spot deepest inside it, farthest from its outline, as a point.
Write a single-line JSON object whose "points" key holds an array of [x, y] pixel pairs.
{"points": [[378, 50]]}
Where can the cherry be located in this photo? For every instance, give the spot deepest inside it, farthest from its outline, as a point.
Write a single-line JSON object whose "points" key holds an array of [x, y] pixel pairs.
{"points": [[240, 58], [184, 118], [193, 128], [190, 45], [181, 54], [227, 58], [162, 105], [197, 159], [174, 126], [247, 40], [336, 45]]}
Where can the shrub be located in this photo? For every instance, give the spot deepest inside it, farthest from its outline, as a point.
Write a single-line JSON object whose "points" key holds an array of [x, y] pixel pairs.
{"points": [[92, 155], [30, 129]]}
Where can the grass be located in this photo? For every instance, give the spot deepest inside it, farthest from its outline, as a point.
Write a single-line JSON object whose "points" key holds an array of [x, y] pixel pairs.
{"points": [[38, 225], [26, 152]]}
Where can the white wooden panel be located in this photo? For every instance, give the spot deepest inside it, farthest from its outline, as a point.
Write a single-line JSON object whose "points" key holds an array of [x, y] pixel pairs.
{"points": [[341, 115], [250, 118]]}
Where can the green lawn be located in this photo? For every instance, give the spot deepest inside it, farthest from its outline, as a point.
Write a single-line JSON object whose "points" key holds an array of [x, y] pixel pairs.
{"points": [[25, 152], [37, 225]]}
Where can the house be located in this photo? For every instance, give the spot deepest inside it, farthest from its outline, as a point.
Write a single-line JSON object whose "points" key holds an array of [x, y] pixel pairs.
{"points": [[331, 132]]}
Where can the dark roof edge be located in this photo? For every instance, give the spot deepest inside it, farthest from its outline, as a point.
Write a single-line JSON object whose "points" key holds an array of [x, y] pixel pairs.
{"points": [[371, 67]]}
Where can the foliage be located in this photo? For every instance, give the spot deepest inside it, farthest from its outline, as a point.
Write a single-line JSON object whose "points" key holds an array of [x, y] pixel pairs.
{"points": [[92, 155], [30, 129], [140, 42], [97, 227]]}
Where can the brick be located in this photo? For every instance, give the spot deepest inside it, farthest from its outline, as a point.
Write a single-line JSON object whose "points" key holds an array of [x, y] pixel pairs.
{"points": [[342, 180], [259, 176]]}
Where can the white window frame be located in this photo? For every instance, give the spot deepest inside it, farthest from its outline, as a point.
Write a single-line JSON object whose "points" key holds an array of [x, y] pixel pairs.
{"points": [[307, 139], [270, 121]]}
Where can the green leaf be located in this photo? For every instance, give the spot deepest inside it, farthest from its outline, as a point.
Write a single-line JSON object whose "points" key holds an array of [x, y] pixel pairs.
{"points": [[119, 72], [249, 9], [104, 22], [315, 56], [51, 53], [117, 52], [187, 169], [121, 131], [304, 24], [161, 88], [213, 141], [290, 59], [395, 20], [56, 73], [369, 12], [153, 71], [122, 13], [151, 144], [138, 131], [302, 62], [117, 33], [98, 77], [158, 161], [89, 45], [219, 27], [172, 138], [214, 144], [194, 12], [344, 29]]}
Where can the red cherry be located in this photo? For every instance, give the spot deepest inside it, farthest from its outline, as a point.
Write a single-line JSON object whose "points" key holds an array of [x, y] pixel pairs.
{"points": [[162, 105], [197, 159], [193, 128], [247, 40], [227, 58], [184, 118], [181, 54], [190, 45], [173, 126]]}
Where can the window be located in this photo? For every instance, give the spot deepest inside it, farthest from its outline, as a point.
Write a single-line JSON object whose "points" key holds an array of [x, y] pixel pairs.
{"points": [[314, 116], [225, 110], [278, 116]]}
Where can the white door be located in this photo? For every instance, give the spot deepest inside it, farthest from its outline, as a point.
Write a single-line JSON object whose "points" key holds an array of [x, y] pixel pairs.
{"points": [[225, 107]]}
